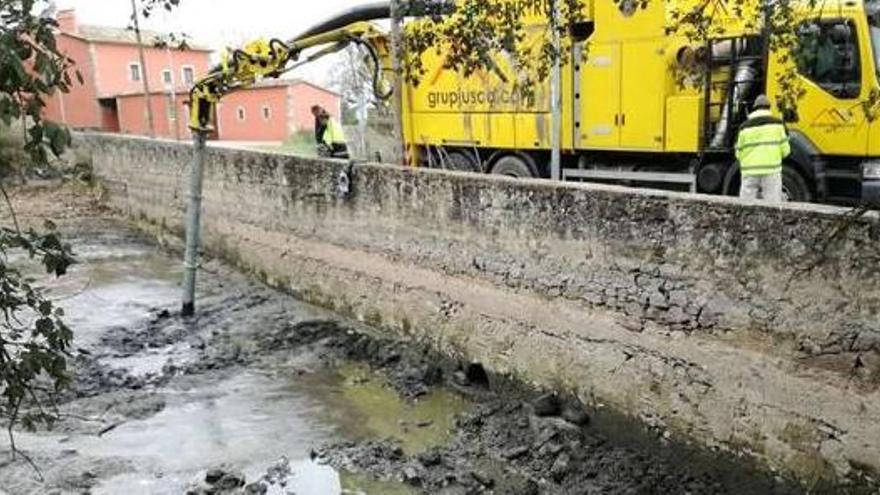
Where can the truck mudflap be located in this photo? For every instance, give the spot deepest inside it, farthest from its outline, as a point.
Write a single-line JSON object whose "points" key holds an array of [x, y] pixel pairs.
{"points": [[871, 192], [871, 182]]}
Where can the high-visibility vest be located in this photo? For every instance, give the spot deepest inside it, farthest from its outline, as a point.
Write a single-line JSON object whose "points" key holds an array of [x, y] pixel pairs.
{"points": [[762, 144], [333, 133]]}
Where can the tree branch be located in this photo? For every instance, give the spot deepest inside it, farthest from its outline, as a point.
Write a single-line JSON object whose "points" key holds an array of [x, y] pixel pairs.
{"points": [[11, 209]]}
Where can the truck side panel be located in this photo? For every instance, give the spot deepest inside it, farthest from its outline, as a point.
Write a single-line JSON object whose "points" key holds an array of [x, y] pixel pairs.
{"points": [[642, 95], [684, 116], [600, 97]]}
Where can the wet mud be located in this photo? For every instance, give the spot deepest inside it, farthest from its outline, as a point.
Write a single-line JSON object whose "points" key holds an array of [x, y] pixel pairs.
{"points": [[260, 393]]}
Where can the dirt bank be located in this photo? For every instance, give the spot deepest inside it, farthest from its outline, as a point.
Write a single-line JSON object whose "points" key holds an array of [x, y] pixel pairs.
{"points": [[260, 393]]}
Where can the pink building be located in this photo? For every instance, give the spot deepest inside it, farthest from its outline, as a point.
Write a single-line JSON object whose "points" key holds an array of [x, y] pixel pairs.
{"points": [[108, 59], [273, 110], [111, 99]]}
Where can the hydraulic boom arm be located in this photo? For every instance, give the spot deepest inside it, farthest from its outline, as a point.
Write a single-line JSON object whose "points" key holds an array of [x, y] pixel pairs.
{"points": [[270, 59], [261, 58]]}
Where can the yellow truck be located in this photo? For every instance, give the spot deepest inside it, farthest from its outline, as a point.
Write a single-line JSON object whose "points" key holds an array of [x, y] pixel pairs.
{"points": [[628, 115]]}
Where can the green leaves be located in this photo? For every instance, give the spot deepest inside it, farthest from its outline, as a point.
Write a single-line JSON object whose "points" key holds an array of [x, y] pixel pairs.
{"points": [[58, 138], [34, 341], [479, 30]]}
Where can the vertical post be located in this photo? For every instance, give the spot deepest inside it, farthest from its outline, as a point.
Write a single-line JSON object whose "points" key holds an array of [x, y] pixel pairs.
{"points": [[193, 223], [556, 96], [397, 68], [363, 114], [135, 17], [362, 83], [175, 114]]}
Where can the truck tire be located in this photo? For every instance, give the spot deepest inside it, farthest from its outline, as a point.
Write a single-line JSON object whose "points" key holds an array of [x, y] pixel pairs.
{"points": [[794, 186], [514, 166], [461, 161]]}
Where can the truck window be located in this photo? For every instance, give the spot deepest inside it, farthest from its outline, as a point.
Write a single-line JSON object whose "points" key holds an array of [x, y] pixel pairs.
{"points": [[875, 39], [873, 9], [828, 55]]}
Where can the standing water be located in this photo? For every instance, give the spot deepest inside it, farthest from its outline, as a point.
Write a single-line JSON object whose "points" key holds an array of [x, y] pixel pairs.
{"points": [[161, 401]]}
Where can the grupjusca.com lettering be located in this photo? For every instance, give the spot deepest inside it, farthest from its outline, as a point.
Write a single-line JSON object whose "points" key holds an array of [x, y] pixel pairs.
{"points": [[461, 98]]}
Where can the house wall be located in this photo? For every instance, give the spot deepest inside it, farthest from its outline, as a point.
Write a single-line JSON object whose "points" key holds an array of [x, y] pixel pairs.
{"points": [[78, 108], [254, 126], [132, 118], [114, 76]]}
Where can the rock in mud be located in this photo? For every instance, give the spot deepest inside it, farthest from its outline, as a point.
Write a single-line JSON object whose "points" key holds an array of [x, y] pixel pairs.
{"points": [[412, 475], [547, 405], [256, 489], [560, 468], [460, 378], [515, 453], [213, 476], [430, 458], [483, 479], [575, 415], [279, 472], [230, 481], [219, 481]]}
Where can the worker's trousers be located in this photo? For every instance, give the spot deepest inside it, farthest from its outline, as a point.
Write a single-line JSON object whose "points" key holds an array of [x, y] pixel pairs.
{"points": [[765, 187]]}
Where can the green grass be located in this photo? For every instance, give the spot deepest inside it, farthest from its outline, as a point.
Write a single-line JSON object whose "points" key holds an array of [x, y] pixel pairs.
{"points": [[302, 143]]}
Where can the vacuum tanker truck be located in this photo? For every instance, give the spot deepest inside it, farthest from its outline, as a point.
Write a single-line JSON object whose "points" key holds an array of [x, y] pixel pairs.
{"points": [[642, 103]]}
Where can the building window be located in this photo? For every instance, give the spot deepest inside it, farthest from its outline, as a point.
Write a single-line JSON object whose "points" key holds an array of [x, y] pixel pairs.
{"points": [[189, 76], [267, 113], [167, 77], [134, 71], [240, 113]]}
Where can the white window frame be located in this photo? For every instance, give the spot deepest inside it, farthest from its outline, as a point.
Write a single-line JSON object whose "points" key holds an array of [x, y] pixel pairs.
{"points": [[168, 81], [140, 72], [183, 70], [240, 113], [267, 113]]}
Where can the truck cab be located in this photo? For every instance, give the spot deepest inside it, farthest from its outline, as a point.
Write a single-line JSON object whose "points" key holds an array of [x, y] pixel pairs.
{"points": [[835, 127]]}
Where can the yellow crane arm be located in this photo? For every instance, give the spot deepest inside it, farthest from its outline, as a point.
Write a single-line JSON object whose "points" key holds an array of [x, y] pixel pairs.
{"points": [[262, 58]]}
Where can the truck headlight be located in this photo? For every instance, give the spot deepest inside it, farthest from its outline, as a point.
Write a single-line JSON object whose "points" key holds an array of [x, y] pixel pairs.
{"points": [[871, 170]]}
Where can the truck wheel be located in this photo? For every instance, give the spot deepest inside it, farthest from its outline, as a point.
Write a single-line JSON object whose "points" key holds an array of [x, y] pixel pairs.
{"points": [[461, 161], [514, 166], [795, 186]]}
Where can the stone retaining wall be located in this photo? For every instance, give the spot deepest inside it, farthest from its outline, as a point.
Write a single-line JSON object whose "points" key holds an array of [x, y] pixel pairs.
{"points": [[741, 326]]}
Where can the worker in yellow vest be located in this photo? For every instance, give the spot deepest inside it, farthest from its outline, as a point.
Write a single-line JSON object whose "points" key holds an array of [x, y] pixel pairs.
{"points": [[761, 147], [329, 134]]}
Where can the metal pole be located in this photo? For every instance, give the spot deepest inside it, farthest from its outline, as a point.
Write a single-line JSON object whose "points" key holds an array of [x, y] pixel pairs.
{"points": [[175, 120], [193, 223], [362, 85], [556, 97], [397, 69], [363, 114], [144, 72]]}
